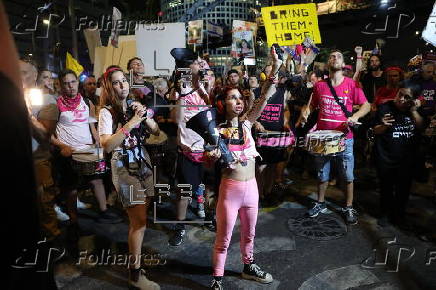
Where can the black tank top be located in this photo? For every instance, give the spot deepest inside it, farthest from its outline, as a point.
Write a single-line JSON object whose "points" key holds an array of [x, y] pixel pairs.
{"points": [[272, 118]]}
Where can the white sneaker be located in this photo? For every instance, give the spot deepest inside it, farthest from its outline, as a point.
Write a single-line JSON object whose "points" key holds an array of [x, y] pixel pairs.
{"points": [[200, 210], [82, 205], [60, 214], [143, 283]]}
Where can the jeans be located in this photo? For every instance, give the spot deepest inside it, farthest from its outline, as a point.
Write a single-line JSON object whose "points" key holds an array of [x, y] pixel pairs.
{"points": [[344, 162]]}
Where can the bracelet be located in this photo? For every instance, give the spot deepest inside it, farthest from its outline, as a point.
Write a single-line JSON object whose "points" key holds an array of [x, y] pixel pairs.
{"points": [[125, 132], [359, 57], [272, 78]]}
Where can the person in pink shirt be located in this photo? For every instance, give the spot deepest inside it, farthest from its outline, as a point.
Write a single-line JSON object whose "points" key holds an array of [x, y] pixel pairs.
{"points": [[332, 117]]}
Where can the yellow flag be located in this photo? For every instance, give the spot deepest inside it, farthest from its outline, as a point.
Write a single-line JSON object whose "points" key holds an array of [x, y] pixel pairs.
{"points": [[73, 64]]}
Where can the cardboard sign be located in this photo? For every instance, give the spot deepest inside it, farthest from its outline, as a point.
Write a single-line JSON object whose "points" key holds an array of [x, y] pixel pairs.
{"points": [[429, 33], [195, 32], [106, 56], [154, 43], [291, 24]]}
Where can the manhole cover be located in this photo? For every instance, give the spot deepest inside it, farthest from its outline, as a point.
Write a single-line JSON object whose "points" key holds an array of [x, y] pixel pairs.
{"points": [[322, 228]]}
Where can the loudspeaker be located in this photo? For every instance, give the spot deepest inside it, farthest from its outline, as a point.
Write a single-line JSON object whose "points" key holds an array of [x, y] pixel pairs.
{"points": [[204, 124]]}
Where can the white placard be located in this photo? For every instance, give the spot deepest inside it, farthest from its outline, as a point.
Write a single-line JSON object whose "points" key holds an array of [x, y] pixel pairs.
{"points": [[249, 61], [154, 43], [429, 33]]}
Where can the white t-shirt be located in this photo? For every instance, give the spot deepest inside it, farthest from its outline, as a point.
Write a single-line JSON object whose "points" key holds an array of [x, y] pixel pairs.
{"points": [[73, 127], [187, 139], [105, 128]]}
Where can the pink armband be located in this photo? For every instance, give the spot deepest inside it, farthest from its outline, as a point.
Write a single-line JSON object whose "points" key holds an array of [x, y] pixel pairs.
{"points": [[125, 132]]}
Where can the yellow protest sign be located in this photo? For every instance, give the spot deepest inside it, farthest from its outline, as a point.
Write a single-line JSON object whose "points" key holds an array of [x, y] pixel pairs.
{"points": [[291, 24]]}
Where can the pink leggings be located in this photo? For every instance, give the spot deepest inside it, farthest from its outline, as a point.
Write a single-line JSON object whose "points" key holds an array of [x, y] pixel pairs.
{"points": [[235, 197]]}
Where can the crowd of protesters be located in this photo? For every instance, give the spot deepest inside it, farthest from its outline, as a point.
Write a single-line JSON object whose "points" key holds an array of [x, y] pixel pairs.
{"points": [[262, 118]]}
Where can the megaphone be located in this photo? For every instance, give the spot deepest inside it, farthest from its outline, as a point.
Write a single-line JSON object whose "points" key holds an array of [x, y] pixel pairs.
{"points": [[204, 124]]}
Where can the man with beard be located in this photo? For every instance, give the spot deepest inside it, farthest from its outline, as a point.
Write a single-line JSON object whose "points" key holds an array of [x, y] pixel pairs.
{"points": [[73, 133], [373, 79], [332, 117]]}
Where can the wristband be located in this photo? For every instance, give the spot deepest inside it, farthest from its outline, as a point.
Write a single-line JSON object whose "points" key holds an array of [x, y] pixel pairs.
{"points": [[150, 113], [359, 57], [125, 132]]}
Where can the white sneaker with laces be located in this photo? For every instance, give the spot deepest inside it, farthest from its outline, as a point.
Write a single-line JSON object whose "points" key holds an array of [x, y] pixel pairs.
{"points": [[254, 272], [216, 285], [60, 214]]}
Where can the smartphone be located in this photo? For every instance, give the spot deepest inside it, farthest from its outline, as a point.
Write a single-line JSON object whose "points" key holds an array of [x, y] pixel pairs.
{"points": [[279, 50]]}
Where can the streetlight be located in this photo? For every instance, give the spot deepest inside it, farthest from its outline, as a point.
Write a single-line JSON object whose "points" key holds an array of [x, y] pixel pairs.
{"points": [[384, 2]]}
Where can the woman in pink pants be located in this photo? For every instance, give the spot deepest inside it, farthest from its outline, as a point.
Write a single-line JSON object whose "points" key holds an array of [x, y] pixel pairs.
{"points": [[238, 192]]}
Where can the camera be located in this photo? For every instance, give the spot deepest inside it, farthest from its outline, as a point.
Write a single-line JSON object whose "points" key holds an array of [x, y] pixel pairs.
{"points": [[185, 76], [130, 112]]}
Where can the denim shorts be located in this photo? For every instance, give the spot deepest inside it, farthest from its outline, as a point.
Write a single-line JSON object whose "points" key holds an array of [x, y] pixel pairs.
{"points": [[343, 162]]}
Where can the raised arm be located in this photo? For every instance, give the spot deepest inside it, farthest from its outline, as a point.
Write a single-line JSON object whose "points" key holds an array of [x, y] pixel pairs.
{"points": [[268, 89], [358, 51]]}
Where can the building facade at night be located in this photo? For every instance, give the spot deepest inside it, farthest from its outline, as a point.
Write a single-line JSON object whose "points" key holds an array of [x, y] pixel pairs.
{"points": [[223, 14]]}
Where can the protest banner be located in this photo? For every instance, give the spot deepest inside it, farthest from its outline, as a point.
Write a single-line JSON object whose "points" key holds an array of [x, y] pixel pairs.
{"points": [[429, 33], [291, 24], [195, 32], [243, 34], [154, 43]]}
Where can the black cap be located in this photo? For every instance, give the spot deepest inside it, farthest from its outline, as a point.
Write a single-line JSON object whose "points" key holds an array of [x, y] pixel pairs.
{"points": [[183, 56]]}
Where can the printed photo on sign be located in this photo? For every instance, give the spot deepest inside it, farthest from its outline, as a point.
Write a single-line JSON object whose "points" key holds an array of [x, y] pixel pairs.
{"points": [[243, 45], [195, 32]]}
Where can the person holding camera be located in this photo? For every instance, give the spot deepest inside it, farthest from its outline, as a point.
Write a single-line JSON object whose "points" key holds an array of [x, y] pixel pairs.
{"points": [[192, 98], [238, 192], [122, 127], [396, 137]]}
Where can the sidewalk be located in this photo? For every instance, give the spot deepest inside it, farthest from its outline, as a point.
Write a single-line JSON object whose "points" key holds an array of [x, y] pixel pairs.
{"points": [[321, 253]]}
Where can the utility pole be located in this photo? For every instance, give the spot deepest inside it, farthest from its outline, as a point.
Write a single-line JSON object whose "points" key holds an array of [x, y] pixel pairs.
{"points": [[73, 28]]}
